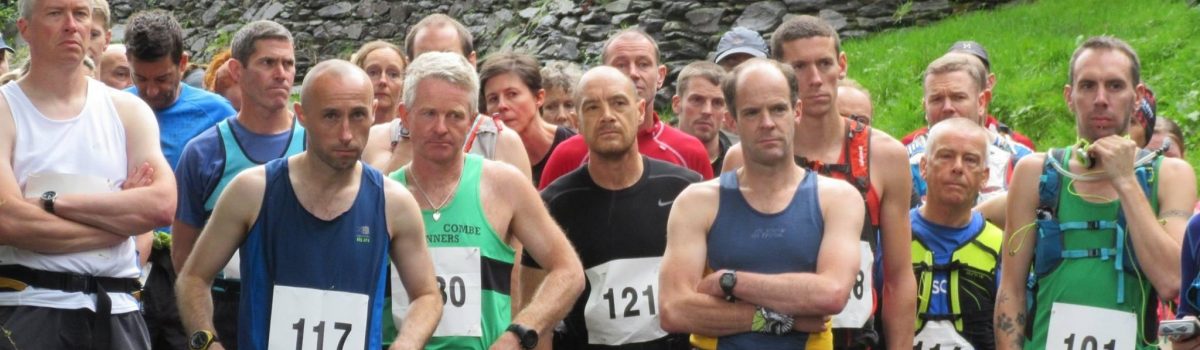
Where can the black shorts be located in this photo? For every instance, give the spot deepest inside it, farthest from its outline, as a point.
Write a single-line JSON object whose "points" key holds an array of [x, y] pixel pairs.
{"points": [[32, 327]]}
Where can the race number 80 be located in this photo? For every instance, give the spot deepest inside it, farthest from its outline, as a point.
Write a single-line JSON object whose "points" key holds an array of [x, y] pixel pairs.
{"points": [[454, 292]]}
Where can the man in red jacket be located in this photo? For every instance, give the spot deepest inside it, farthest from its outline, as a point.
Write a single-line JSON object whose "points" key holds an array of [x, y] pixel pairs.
{"points": [[636, 54]]}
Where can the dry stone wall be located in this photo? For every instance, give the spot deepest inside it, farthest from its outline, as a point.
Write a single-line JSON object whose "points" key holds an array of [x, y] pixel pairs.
{"points": [[551, 29]]}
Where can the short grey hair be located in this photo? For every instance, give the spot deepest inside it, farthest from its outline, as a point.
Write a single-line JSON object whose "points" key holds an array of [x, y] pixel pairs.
{"points": [[561, 75], [959, 126], [959, 62], [25, 8], [452, 68], [251, 33]]}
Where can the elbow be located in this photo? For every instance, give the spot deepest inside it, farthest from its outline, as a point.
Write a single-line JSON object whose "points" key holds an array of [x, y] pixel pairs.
{"points": [[1169, 291], [163, 214], [834, 301], [670, 319]]}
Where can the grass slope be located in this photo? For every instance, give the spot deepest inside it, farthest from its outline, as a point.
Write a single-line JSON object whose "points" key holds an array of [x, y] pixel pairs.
{"points": [[1030, 44]]}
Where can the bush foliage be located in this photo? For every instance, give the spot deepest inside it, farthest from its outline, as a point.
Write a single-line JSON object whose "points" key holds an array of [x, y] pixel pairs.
{"points": [[1030, 44]]}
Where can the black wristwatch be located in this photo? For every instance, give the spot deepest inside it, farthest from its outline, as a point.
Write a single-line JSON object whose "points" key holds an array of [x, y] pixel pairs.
{"points": [[48, 201], [728, 281], [527, 337], [201, 340]]}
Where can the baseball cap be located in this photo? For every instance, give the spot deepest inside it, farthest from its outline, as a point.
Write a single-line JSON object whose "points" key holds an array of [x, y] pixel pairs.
{"points": [[973, 48], [741, 40], [4, 45]]}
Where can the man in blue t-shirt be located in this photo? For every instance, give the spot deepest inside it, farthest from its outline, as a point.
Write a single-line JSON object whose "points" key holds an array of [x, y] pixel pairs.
{"points": [[265, 129], [154, 48], [954, 250]]}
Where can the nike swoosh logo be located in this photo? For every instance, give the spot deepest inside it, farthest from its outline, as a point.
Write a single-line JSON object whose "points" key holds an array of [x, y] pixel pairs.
{"points": [[663, 204]]}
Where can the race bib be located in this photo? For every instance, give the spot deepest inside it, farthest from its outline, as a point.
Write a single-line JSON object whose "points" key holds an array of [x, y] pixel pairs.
{"points": [[1077, 327], [940, 335], [460, 283], [858, 309], [305, 318], [622, 307]]}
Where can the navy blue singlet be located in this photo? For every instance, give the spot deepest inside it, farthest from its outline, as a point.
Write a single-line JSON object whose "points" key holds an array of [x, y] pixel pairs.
{"points": [[744, 239], [289, 247]]}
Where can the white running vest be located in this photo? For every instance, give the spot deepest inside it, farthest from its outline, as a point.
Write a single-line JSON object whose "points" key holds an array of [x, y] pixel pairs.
{"points": [[90, 144]]}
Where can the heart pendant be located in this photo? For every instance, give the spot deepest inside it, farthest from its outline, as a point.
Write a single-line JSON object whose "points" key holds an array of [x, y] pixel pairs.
{"points": [[437, 215]]}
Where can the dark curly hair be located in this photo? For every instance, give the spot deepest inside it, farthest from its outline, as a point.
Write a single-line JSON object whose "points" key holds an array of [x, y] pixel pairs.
{"points": [[152, 35]]}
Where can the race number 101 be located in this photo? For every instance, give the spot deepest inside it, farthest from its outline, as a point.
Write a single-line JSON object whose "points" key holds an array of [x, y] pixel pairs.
{"points": [[1088, 343]]}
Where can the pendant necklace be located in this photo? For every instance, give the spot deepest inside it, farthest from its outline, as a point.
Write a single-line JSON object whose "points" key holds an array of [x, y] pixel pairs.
{"points": [[437, 210]]}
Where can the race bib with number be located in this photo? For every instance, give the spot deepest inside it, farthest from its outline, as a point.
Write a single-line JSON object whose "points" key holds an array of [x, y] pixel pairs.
{"points": [[940, 335], [305, 318], [622, 307], [1078, 327], [460, 283], [858, 309]]}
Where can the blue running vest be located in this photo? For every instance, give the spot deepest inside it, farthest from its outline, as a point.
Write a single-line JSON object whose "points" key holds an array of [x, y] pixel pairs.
{"points": [[236, 159], [288, 246], [744, 239]]}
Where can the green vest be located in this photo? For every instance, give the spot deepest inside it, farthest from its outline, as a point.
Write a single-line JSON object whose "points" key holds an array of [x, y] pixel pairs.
{"points": [[971, 276], [462, 234], [1087, 259]]}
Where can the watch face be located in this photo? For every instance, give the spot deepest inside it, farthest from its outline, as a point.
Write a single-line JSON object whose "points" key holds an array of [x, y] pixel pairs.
{"points": [[727, 280], [199, 339], [529, 340]]}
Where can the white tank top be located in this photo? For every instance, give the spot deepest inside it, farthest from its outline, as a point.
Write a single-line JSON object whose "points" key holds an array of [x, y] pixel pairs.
{"points": [[92, 144]]}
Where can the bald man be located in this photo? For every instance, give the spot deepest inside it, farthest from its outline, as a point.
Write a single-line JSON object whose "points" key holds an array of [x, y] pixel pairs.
{"points": [[854, 100], [327, 212], [114, 67]]}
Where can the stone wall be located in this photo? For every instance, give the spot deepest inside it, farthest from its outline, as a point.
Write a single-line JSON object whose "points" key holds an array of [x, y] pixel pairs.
{"points": [[551, 29]]}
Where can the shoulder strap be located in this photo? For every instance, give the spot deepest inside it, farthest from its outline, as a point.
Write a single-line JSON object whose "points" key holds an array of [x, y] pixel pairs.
{"points": [[858, 154]]}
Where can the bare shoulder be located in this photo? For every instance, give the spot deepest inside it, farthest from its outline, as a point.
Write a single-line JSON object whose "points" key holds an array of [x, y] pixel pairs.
{"points": [[505, 183], [396, 194], [249, 182], [128, 104], [886, 147], [380, 134], [700, 193], [836, 190], [244, 196], [509, 134], [1172, 166], [1032, 161]]}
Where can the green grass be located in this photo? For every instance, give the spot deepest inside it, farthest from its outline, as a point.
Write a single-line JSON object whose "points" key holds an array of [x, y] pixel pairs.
{"points": [[1029, 44]]}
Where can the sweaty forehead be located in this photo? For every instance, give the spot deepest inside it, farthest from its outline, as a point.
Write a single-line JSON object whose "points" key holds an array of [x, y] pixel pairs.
{"points": [[604, 84], [1102, 64], [630, 46], [440, 38], [809, 49]]}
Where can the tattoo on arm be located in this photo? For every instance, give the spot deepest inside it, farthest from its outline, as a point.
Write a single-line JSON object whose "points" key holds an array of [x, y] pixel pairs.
{"points": [[1177, 213], [1006, 324]]}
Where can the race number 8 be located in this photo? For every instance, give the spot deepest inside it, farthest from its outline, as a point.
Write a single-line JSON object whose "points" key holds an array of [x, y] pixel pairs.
{"points": [[1088, 343], [455, 292], [631, 296], [319, 329]]}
